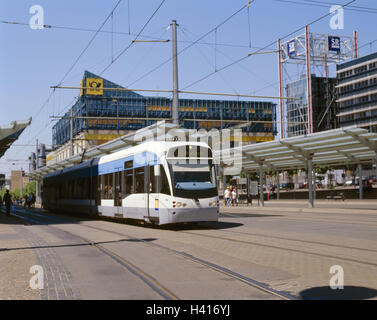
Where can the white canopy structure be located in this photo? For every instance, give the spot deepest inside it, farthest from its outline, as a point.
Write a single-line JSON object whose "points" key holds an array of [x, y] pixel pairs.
{"points": [[337, 147], [9, 134]]}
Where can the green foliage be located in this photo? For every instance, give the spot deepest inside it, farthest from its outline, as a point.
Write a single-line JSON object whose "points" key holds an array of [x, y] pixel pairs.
{"points": [[322, 170], [27, 189]]}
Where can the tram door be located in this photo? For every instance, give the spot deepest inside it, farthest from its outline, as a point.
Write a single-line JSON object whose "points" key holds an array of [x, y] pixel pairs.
{"points": [[118, 194], [152, 187]]}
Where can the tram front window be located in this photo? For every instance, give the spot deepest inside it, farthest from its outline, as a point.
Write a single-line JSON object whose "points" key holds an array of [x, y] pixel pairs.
{"points": [[194, 180]]}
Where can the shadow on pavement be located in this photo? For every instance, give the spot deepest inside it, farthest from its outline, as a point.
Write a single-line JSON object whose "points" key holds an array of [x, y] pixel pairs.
{"points": [[348, 293]]}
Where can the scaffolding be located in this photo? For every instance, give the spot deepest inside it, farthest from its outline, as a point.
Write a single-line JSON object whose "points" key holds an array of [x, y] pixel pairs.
{"points": [[314, 91]]}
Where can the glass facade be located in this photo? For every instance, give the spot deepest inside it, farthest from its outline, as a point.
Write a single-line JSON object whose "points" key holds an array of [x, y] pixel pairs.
{"points": [[127, 110]]}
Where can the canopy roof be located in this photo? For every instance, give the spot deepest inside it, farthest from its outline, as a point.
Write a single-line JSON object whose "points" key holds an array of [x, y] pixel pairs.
{"points": [[126, 141], [337, 147], [9, 134]]}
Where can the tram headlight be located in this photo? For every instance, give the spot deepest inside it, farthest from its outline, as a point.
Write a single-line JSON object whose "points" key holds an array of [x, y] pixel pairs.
{"points": [[179, 204], [213, 204]]}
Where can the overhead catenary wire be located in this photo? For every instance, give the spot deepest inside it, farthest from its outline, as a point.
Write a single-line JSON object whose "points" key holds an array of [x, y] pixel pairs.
{"points": [[169, 91], [270, 44], [231, 45], [189, 46], [76, 61], [90, 42], [137, 36]]}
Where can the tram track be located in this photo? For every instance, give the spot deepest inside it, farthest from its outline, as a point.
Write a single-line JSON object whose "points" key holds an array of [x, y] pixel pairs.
{"points": [[148, 279], [231, 274], [296, 240], [284, 248], [346, 221]]}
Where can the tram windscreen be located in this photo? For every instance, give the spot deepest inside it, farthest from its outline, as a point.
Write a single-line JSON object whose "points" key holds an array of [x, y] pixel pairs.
{"points": [[194, 180]]}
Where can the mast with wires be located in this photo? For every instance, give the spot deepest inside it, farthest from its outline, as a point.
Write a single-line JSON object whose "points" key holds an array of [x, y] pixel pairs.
{"points": [[314, 92], [175, 103]]}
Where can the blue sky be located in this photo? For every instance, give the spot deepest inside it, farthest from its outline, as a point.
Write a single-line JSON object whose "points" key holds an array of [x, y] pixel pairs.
{"points": [[33, 60]]}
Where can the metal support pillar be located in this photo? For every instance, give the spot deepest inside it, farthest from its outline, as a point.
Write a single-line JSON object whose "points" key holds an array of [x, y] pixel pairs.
{"points": [[308, 81], [359, 168], [261, 194], [248, 189], [277, 185], [310, 183], [314, 186]]}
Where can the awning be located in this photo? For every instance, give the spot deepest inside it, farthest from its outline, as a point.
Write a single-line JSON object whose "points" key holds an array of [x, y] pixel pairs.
{"points": [[156, 130], [338, 147], [9, 134]]}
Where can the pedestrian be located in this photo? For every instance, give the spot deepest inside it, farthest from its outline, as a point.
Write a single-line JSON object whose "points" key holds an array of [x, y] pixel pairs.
{"points": [[8, 202], [25, 200], [1, 203], [29, 200], [227, 194], [234, 198]]}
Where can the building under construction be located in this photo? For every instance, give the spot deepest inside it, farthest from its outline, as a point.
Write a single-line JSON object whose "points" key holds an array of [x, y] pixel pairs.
{"points": [[323, 103], [103, 113]]}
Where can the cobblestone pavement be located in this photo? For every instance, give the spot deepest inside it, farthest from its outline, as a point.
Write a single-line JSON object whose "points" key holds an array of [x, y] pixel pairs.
{"points": [[15, 263], [20, 249]]}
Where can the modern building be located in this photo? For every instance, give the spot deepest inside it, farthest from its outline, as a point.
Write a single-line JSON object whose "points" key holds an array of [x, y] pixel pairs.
{"points": [[324, 107], [17, 178], [357, 89], [103, 113]]}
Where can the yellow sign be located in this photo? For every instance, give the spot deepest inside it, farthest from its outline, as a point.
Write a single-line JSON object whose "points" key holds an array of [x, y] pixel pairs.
{"points": [[81, 87], [156, 204], [95, 85]]}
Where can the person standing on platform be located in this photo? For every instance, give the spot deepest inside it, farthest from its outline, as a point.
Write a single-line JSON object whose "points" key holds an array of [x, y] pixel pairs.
{"points": [[227, 195], [8, 202]]}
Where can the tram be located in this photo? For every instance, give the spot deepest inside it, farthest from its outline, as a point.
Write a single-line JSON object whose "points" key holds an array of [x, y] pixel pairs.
{"points": [[158, 182]]}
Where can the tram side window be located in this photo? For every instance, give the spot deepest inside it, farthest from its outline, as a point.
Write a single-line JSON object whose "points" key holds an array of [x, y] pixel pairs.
{"points": [[165, 189], [128, 182], [99, 190], [139, 180], [107, 186], [158, 180]]}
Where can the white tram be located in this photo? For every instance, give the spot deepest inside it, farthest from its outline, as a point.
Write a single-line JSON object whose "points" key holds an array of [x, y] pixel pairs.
{"points": [[159, 182]]}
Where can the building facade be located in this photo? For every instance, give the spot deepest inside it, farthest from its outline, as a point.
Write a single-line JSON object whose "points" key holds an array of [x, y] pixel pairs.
{"points": [[104, 113], [324, 107], [357, 90], [17, 178]]}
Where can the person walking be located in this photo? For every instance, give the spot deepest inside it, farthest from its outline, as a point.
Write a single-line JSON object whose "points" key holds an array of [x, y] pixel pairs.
{"points": [[227, 194], [234, 198], [8, 202]]}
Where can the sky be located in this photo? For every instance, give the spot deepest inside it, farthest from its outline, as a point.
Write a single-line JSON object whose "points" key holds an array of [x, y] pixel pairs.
{"points": [[31, 61]]}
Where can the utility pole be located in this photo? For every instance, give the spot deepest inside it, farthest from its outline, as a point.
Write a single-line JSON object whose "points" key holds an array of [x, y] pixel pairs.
{"points": [[21, 184], [71, 132], [175, 106], [37, 185]]}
